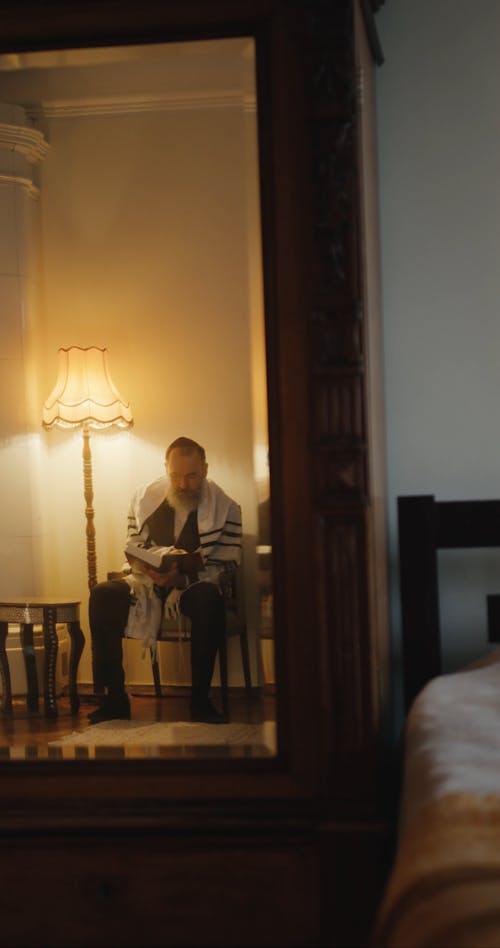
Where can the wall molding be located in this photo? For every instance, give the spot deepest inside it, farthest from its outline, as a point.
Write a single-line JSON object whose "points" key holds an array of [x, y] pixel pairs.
{"points": [[166, 102]]}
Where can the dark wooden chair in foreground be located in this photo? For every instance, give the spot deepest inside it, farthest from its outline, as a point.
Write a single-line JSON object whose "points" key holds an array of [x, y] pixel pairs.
{"points": [[426, 526]]}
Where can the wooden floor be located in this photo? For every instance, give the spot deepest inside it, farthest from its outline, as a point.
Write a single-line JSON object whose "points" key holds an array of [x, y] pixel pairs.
{"points": [[27, 733]]}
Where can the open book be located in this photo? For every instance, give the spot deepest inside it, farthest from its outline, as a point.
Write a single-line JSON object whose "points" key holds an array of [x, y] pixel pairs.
{"points": [[162, 558]]}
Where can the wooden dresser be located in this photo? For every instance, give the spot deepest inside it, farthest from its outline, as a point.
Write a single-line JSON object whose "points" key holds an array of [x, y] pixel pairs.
{"points": [[292, 850]]}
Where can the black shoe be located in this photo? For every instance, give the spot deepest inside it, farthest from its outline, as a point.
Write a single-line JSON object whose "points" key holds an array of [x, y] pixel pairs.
{"points": [[205, 713], [113, 707]]}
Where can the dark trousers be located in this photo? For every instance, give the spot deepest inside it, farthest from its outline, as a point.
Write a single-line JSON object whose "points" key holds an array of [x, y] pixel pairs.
{"points": [[109, 605]]}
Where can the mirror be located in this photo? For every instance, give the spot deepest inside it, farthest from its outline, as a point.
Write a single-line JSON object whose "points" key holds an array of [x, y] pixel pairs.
{"points": [[130, 209]]}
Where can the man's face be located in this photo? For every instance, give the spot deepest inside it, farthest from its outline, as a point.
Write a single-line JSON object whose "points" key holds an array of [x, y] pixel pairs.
{"points": [[186, 473]]}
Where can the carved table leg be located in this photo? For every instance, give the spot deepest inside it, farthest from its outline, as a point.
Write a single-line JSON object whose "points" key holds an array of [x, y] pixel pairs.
{"points": [[28, 648], [51, 645], [5, 671], [77, 643]]}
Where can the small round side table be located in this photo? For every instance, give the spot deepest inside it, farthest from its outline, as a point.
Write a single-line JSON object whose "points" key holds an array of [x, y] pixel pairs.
{"points": [[47, 613]]}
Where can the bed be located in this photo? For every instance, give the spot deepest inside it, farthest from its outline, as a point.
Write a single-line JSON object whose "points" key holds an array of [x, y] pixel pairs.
{"points": [[444, 888]]}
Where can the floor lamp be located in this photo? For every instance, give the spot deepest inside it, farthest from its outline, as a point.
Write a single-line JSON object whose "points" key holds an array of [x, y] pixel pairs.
{"points": [[85, 397]]}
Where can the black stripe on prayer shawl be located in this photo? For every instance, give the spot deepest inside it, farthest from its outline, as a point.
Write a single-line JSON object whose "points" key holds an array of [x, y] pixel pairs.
{"points": [[215, 531], [220, 543], [207, 538]]}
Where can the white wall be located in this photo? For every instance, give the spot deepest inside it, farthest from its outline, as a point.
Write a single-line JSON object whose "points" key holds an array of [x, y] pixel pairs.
{"points": [[145, 250], [439, 151]]}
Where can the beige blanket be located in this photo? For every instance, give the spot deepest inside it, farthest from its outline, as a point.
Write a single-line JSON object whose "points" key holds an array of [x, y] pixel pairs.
{"points": [[445, 886], [444, 891]]}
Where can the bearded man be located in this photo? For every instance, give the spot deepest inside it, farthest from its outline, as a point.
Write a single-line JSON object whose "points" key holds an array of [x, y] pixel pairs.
{"points": [[181, 511]]}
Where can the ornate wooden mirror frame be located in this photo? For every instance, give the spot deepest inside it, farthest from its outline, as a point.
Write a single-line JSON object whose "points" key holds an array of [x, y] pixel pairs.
{"points": [[326, 441]]}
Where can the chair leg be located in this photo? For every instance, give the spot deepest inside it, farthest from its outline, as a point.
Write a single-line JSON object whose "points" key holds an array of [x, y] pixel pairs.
{"points": [[156, 672], [223, 676], [6, 701], [245, 660]]}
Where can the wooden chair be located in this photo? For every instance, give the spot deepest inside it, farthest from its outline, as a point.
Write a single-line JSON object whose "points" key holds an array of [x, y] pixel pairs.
{"points": [[173, 630], [425, 526]]}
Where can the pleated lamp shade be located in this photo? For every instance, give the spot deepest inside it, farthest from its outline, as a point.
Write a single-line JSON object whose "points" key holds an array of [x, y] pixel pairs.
{"points": [[84, 393]]}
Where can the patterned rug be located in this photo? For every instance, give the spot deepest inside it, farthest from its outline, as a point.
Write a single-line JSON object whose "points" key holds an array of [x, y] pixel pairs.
{"points": [[182, 738]]}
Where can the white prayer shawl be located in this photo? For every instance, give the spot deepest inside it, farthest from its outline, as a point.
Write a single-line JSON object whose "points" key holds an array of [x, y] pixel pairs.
{"points": [[145, 614], [219, 527]]}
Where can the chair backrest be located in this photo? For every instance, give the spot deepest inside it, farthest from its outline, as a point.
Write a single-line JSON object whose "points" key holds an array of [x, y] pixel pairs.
{"points": [[425, 526]]}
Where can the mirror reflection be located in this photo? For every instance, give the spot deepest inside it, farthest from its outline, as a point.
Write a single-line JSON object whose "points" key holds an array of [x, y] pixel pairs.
{"points": [[129, 198]]}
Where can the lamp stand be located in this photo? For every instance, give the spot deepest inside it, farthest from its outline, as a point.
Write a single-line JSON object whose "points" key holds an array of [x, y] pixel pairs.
{"points": [[89, 510], [84, 395], [88, 491]]}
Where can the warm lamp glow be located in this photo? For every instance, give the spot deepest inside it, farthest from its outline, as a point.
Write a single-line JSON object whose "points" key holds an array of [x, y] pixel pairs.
{"points": [[84, 394], [84, 397]]}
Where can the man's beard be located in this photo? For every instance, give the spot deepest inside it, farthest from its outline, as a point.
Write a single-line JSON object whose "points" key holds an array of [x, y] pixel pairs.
{"points": [[183, 501]]}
